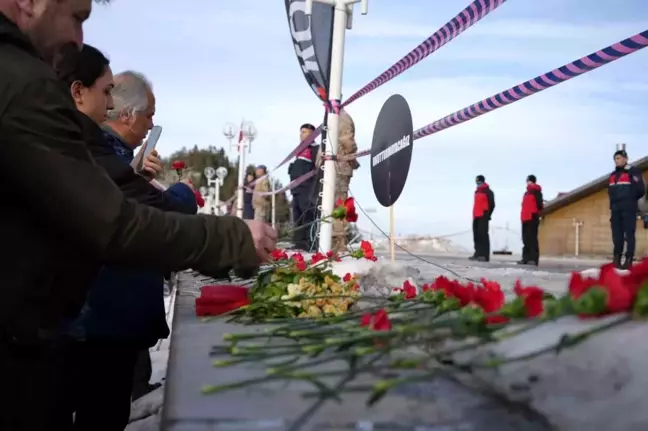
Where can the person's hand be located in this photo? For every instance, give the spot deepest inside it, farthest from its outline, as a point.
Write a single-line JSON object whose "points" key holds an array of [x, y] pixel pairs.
{"points": [[152, 164], [264, 237]]}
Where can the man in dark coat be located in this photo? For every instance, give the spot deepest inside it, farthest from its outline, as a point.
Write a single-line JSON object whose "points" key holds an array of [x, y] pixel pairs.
{"points": [[64, 216], [483, 208], [626, 187], [304, 200], [532, 204]]}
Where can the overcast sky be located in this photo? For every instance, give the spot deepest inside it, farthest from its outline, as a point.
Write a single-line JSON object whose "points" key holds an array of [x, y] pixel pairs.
{"points": [[216, 62]]}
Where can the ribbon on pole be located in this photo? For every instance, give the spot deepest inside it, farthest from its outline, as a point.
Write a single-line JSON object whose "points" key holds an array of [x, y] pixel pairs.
{"points": [[465, 19]]}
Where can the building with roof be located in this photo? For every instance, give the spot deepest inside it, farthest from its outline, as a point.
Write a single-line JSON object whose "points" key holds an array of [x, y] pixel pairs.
{"points": [[577, 223]]}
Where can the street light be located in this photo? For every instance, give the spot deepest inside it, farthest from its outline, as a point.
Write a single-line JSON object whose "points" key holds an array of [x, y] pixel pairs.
{"points": [[247, 134], [215, 179]]}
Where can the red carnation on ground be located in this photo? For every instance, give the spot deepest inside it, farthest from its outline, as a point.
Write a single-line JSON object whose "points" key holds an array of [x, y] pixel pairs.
{"points": [[278, 254], [491, 299], [620, 291], [464, 294], [348, 277], [318, 257], [408, 290], [532, 297], [299, 261], [333, 256], [378, 321]]}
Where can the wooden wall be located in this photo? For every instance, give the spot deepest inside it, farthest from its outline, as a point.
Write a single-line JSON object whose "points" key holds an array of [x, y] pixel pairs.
{"points": [[557, 235]]}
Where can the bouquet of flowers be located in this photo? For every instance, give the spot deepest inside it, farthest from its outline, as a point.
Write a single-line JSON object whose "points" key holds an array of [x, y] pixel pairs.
{"points": [[293, 286]]}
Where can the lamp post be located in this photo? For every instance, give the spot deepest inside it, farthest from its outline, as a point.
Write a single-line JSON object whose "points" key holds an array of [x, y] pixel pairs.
{"points": [[247, 134], [215, 179]]}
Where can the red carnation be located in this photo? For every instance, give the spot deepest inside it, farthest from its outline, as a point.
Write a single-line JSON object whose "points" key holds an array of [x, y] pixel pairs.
{"points": [[408, 290], [278, 254], [379, 321], [532, 298], [620, 291], [178, 165], [345, 210]]}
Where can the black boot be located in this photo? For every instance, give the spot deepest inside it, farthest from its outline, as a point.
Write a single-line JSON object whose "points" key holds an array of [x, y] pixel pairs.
{"points": [[521, 262], [473, 257], [617, 261], [627, 263]]}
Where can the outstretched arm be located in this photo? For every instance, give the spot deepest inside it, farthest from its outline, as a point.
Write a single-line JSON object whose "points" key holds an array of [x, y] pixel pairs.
{"points": [[41, 135]]}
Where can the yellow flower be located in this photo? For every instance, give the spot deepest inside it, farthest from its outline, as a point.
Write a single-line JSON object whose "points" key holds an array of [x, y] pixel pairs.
{"points": [[314, 312], [330, 309], [294, 289]]}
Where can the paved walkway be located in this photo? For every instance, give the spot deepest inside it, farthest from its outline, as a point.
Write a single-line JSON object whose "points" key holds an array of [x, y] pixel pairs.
{"points": [[549, 265]]}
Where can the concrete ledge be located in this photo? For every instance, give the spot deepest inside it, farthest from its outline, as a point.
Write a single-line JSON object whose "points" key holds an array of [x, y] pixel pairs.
{"points": [[441, 405]]}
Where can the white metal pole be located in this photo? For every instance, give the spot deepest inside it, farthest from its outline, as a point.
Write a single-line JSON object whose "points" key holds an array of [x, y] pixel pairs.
{"points": [[241, 179], [335, 93], [274, 203]]}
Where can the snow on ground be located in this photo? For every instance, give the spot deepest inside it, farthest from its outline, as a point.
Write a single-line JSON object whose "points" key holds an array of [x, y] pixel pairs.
{"points": [[421, 244], [394, 273]]}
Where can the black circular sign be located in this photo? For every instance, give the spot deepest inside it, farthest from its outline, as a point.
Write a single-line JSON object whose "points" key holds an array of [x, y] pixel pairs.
{"points": [[391, 150]]}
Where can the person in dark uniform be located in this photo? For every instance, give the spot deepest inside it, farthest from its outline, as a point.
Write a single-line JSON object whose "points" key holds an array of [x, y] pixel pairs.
{"points": [[482, 212], [532, 204], [248, 208], [304, 200], [626, 187]]}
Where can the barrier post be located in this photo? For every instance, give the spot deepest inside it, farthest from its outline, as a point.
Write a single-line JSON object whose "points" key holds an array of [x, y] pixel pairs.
{"points": [[343, 10]]}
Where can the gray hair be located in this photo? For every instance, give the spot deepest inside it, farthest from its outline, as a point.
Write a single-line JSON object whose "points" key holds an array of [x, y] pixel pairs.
{"points": [[129, 94]]}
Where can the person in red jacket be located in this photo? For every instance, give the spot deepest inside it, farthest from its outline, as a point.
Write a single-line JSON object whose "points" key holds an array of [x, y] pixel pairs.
{"points": [[482, 212], [530, 216]]}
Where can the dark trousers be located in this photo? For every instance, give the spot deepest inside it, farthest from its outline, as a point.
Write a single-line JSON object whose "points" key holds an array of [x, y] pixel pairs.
{"points": [[481, 238], [530, 248], [142, 374], [32, 386], [103, 378], [624, 226], [304, 213]]}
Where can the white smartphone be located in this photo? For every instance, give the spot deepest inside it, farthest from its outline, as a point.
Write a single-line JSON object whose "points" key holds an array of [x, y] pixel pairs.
{"points": [[149, 145]]}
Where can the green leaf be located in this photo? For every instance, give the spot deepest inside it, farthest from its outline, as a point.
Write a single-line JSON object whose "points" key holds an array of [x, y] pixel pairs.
{"points": [[514, 309], [640, 308], [592, 302], [379, 391]]}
